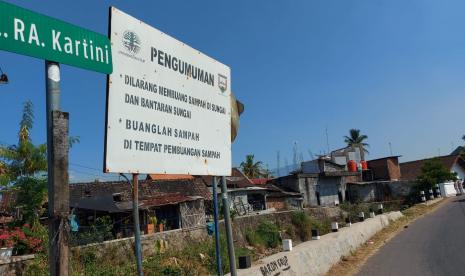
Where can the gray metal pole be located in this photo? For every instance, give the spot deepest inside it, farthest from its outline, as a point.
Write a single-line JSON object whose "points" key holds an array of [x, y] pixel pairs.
{"points": [[217, 231], [57, 181], [135, 210], [227, 225]]}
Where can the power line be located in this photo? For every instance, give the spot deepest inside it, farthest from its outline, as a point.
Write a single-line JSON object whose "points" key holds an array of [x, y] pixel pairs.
{"points": [[83, 166]]}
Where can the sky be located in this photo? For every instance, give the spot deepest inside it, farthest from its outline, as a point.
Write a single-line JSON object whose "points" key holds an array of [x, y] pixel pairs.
{"points": [[393, 69]]}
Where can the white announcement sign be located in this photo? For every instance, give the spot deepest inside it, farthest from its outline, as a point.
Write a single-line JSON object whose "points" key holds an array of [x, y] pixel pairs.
{"points": [[168, 105]]}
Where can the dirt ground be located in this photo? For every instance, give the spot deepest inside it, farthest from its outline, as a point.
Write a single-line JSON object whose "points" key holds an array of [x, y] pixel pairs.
{"points": [[350, 265]]}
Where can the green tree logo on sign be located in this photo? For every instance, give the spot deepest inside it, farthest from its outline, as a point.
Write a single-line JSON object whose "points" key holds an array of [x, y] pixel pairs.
{"points": [[131, 41]]}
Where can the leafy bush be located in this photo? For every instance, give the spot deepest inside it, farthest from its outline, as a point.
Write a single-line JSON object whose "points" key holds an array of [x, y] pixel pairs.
{"points": [[304, 225], [98, 232], [266, 235]]}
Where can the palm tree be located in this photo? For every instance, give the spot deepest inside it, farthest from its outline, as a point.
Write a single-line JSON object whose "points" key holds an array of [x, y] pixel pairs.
{"points": [[355, 139], [251, 168]]}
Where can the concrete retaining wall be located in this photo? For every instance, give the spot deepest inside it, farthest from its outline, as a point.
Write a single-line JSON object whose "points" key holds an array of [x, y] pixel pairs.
{"points": [[15, 266], [317, 257], [123, 249]]}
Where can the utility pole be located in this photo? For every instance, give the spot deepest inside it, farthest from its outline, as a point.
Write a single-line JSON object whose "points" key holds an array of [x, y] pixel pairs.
{"points": [[135, 217], [228, 227], [57, 160], [217, 230]]}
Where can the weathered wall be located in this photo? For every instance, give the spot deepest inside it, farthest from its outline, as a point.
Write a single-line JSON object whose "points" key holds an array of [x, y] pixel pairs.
{"points": [[123, 249], [328, 187], [308, 189], [394, 169], [317, 257], [278, 203], [380, 191], [242, 224]]}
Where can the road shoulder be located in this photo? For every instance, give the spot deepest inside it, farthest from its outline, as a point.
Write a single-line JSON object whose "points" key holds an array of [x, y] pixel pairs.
{"points": [[350, 265]]}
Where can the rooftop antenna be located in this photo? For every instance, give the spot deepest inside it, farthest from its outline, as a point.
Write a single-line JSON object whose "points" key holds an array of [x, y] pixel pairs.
{"points": [[278, 164], [294, 156], [327, 140], [287, 166], [390, 148]]}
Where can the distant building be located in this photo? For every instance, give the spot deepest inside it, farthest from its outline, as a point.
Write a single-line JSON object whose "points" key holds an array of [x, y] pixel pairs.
{"points": [[176, 204], [321, 182], [455, 163], [380, 182], [385, 168], [343, 155], [244, 197]]}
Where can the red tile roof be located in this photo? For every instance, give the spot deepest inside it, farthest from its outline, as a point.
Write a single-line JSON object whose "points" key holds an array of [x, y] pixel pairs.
{"points": [[260, 181], [160, 176]]}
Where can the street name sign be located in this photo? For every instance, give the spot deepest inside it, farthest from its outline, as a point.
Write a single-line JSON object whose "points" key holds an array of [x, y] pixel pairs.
{"points": [[168, 105], [29, 33]]}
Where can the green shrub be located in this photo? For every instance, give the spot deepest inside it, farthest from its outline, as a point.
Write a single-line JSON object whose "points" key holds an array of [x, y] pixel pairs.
{"points": [[253, 238], [266, 235], [269, 233], [303, 225]]}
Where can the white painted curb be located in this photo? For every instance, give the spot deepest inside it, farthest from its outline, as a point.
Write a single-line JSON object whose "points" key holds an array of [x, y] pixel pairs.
{"points": [[316, 257]]}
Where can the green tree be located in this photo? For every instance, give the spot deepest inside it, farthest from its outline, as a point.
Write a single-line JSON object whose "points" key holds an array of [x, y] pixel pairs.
{"points": [[25, 158], [21, 165], [251, 168], [31, 196], [434, 172], [356, 139]]}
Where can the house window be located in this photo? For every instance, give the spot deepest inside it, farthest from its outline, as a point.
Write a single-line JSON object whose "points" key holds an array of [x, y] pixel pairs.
{"points": [[117, 197], [318, 198]]}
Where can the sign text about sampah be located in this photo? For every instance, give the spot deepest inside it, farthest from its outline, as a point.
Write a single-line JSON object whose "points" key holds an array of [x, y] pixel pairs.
{"points": [[168, 105]]}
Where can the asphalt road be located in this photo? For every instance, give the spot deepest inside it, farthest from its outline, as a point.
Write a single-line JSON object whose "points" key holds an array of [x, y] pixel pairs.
{"points": [[432, 245]]}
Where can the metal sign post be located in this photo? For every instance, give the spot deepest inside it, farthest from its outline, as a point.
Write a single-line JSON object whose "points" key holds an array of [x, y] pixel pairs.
{"points": [[57, 159], [217, 231], [228, 227], [135, 214]]}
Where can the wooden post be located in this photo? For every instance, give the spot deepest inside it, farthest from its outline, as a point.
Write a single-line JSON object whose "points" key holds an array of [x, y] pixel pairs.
{"points": [[135, 209], [58, 195]]}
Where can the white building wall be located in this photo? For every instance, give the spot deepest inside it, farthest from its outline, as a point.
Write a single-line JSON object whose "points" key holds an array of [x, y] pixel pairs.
{"points": [[459, 171]]}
